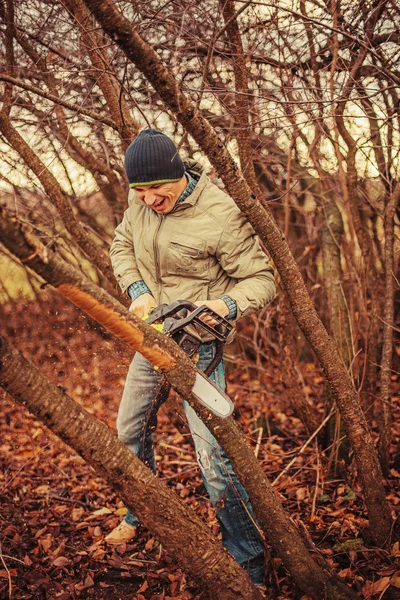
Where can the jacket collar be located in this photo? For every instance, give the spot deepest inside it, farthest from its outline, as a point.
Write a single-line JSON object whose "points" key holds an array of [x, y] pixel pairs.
{"points": [[201, 183]]}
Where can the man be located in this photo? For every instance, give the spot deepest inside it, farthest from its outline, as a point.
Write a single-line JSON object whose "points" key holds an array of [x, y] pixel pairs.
{"points": [[182, 238]]}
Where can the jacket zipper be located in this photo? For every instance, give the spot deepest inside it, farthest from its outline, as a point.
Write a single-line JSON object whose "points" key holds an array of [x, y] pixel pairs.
{"points": [[156, 257]]}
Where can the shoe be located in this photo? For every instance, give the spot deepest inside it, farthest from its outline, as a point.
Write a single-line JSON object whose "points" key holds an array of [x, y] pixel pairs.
{"points": [[122, 534]]}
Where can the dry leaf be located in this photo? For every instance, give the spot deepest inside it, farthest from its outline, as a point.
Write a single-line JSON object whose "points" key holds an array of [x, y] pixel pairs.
{"points": [[143, 587], [395, 549], [301, 493], [77, 514], [88, 581], [46, 543], [149, 544], [371, 588], [6, 574], [61, 561], [102, 511]]}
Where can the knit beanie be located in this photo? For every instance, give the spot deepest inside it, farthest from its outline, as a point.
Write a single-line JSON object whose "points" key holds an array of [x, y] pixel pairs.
{"points": [[152, 158]]}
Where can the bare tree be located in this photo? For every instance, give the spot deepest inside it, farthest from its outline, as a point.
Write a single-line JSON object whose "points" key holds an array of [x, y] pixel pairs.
{"points": [[305, 96]]}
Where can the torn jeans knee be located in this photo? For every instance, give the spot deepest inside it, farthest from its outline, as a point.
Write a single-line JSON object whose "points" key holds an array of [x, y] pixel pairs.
{"points": [[212, 475]]}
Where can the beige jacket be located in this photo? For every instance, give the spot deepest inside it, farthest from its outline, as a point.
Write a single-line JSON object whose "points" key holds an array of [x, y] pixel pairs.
{"points": [[203, 249]]}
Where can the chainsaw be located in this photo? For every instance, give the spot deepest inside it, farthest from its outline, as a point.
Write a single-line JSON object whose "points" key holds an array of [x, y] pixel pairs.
{"points": [[181, 321]]}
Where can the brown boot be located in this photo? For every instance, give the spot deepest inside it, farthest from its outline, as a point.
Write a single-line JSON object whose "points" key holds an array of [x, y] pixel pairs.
{"points": [[122, 534]]}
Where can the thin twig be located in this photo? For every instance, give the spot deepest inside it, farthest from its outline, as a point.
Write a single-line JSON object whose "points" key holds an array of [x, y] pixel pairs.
{"points": [[175, 475], [314, 502], [59, 101], [258, 444], [14, 559], [8, 573], [7, 483], [302, 449], [67, 500]]}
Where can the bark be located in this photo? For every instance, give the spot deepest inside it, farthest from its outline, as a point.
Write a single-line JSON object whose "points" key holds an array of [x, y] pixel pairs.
{"points": [[9, 47], [332, 234], [143, 56], [338, 317], [173, 523], [55, 193], [373, 347], [388, 318], [242, 105], [162, 352], [376, 137], [294, 396]]}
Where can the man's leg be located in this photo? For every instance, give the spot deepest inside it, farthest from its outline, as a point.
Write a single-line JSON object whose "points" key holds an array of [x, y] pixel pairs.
{"points": [[240, 534], [141, 386]]}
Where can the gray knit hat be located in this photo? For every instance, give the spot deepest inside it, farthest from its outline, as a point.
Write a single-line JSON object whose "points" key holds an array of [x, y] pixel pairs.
{"points": [[152, 158]]}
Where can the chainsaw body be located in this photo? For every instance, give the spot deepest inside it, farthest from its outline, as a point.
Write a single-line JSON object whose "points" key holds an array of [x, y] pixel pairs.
{"points": [[181, 320]]}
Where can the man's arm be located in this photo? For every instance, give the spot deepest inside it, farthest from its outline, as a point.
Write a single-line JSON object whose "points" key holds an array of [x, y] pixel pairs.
{"points": [[126, 271], [224, 306], [123, 256], [240, 254]]}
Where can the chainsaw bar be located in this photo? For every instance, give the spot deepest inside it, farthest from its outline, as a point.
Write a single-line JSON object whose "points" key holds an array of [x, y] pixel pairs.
{"points": [[208, 394]]}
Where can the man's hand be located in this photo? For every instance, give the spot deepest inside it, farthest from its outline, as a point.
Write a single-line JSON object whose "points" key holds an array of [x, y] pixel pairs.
{"points": [[218, 306], [143, 305]]}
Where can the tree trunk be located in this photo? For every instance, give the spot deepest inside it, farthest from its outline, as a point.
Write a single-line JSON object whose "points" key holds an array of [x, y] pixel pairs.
{"points": [[173, 523], [333, 277], [144, 57], [339, 322], [294, 396], [161, 351], [241, 111], [388, 318], [352, 200]]}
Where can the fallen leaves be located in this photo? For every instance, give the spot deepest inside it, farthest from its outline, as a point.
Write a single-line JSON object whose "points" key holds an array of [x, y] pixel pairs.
{"points": [[56, 510], [371, 589]]}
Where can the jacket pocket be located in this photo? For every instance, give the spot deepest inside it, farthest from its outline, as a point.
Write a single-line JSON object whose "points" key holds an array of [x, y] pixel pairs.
{"points": [[187, 257]]}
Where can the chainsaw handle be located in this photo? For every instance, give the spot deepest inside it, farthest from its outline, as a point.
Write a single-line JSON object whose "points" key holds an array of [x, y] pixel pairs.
{"points": [[219, 351], [219, 332], [169, 310]]}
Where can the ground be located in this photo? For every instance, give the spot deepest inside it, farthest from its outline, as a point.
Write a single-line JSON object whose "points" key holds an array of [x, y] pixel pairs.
{"points": [[55, 511]]}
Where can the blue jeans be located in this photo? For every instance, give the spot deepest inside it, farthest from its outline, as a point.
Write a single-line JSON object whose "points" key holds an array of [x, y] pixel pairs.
{"points": [[234, 512]]}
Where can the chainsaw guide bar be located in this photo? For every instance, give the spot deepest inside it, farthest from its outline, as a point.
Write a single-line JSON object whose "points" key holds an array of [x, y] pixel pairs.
{"points": [[210, 396]]}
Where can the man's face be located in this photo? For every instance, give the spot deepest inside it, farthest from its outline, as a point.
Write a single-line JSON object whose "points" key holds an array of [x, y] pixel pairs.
{"points": [[162, 197]]}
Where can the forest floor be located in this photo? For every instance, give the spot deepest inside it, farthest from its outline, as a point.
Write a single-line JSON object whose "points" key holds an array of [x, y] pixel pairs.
{"points": [[55, 511]]}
